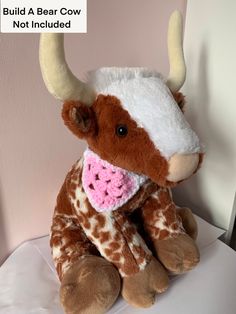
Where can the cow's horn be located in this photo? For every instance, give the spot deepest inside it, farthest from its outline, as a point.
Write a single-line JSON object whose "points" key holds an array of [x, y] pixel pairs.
{"points": [[57, 76], [177, 72]]}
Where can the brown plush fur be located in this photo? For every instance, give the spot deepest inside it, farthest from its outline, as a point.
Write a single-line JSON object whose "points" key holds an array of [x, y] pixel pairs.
{"points": [[178, 254], [80, 119], [140, 289], [160, 206], [90, 286], [123, 152]]}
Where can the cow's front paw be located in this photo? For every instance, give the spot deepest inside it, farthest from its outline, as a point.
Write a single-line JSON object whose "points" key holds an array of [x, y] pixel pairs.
{"points": [[140, 289], [178, 254], [90, 286]]}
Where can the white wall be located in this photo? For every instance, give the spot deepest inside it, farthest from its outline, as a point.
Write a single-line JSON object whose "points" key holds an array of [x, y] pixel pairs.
{"points": [[210, 49]]}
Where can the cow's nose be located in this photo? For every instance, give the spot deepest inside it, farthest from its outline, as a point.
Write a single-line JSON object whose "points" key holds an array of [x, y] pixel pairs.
{"points": [[182, 166]]}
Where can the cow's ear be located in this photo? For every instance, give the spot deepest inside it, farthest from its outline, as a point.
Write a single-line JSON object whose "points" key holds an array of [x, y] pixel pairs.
{"points": [[180, 99], [79, 118]]}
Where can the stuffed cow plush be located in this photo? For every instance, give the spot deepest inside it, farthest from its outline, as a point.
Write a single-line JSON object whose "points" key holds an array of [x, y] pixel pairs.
{"points": [[115, 226]]}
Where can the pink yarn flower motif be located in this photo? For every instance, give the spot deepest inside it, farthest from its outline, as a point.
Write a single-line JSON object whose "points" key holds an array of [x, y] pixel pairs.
{"points": [[106, 186]]}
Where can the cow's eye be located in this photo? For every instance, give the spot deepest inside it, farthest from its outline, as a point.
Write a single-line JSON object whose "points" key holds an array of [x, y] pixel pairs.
{"points": [[121, 130]]}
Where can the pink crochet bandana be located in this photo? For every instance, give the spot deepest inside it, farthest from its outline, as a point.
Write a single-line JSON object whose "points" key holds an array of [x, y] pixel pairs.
{"points": [[108, 187]]}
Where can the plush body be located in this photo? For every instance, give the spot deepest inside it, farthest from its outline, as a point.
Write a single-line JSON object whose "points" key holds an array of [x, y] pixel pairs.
{"points": [[115, 226], [112, 233], [128, 238]]}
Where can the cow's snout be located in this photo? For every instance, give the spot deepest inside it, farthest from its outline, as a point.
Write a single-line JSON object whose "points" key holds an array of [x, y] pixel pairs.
{"points": [[182, 166]]}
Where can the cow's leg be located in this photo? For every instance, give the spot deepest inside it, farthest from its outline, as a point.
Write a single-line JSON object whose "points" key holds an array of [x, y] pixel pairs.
{"points": [[89, 283], [175, 249], [118, 241]]}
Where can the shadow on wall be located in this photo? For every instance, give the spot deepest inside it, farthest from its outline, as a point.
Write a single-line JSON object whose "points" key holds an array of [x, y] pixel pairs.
{"points": [[3, 238], [190, 193]]}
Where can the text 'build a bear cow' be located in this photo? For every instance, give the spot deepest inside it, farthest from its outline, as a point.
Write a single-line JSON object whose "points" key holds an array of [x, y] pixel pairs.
{"points": [[115, 226]]}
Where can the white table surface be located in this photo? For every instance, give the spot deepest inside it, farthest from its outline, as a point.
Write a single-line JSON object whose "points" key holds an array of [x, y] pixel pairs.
{"points": [[28, 281]]}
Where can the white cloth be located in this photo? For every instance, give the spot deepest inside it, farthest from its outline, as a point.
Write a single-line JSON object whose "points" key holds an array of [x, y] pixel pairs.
{"points": [[29, 284]]}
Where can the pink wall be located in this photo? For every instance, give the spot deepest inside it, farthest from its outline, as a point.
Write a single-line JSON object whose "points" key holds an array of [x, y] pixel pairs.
{"points": [[36, 150]]}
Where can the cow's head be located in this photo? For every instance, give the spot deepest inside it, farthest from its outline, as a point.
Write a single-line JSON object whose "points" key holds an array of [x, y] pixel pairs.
{"points": [[129, 116]]}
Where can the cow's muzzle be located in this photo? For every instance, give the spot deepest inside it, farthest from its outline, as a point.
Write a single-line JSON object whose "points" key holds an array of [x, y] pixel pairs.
{"points": [[182, 166]]}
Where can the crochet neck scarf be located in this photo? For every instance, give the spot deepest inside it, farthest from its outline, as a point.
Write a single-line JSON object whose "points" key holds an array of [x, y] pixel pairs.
{"points": [[108, 187]]}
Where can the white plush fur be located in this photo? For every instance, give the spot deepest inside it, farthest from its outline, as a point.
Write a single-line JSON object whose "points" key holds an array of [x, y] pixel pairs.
{"points": [[144, 94]]}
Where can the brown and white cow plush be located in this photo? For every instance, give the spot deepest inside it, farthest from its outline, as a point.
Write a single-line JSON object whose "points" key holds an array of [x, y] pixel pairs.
{"points": [[115, 226]]}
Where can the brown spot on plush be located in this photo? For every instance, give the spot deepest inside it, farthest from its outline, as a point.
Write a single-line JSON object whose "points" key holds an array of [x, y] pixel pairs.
{"points": [[175, 226], [117, 236], [116, 257], [108, 252], [149, 212], [81, 219], [96, 233], [101, 221], [104, 236], [114, 246], [73, 235], [87, 225], [163, 234]]}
